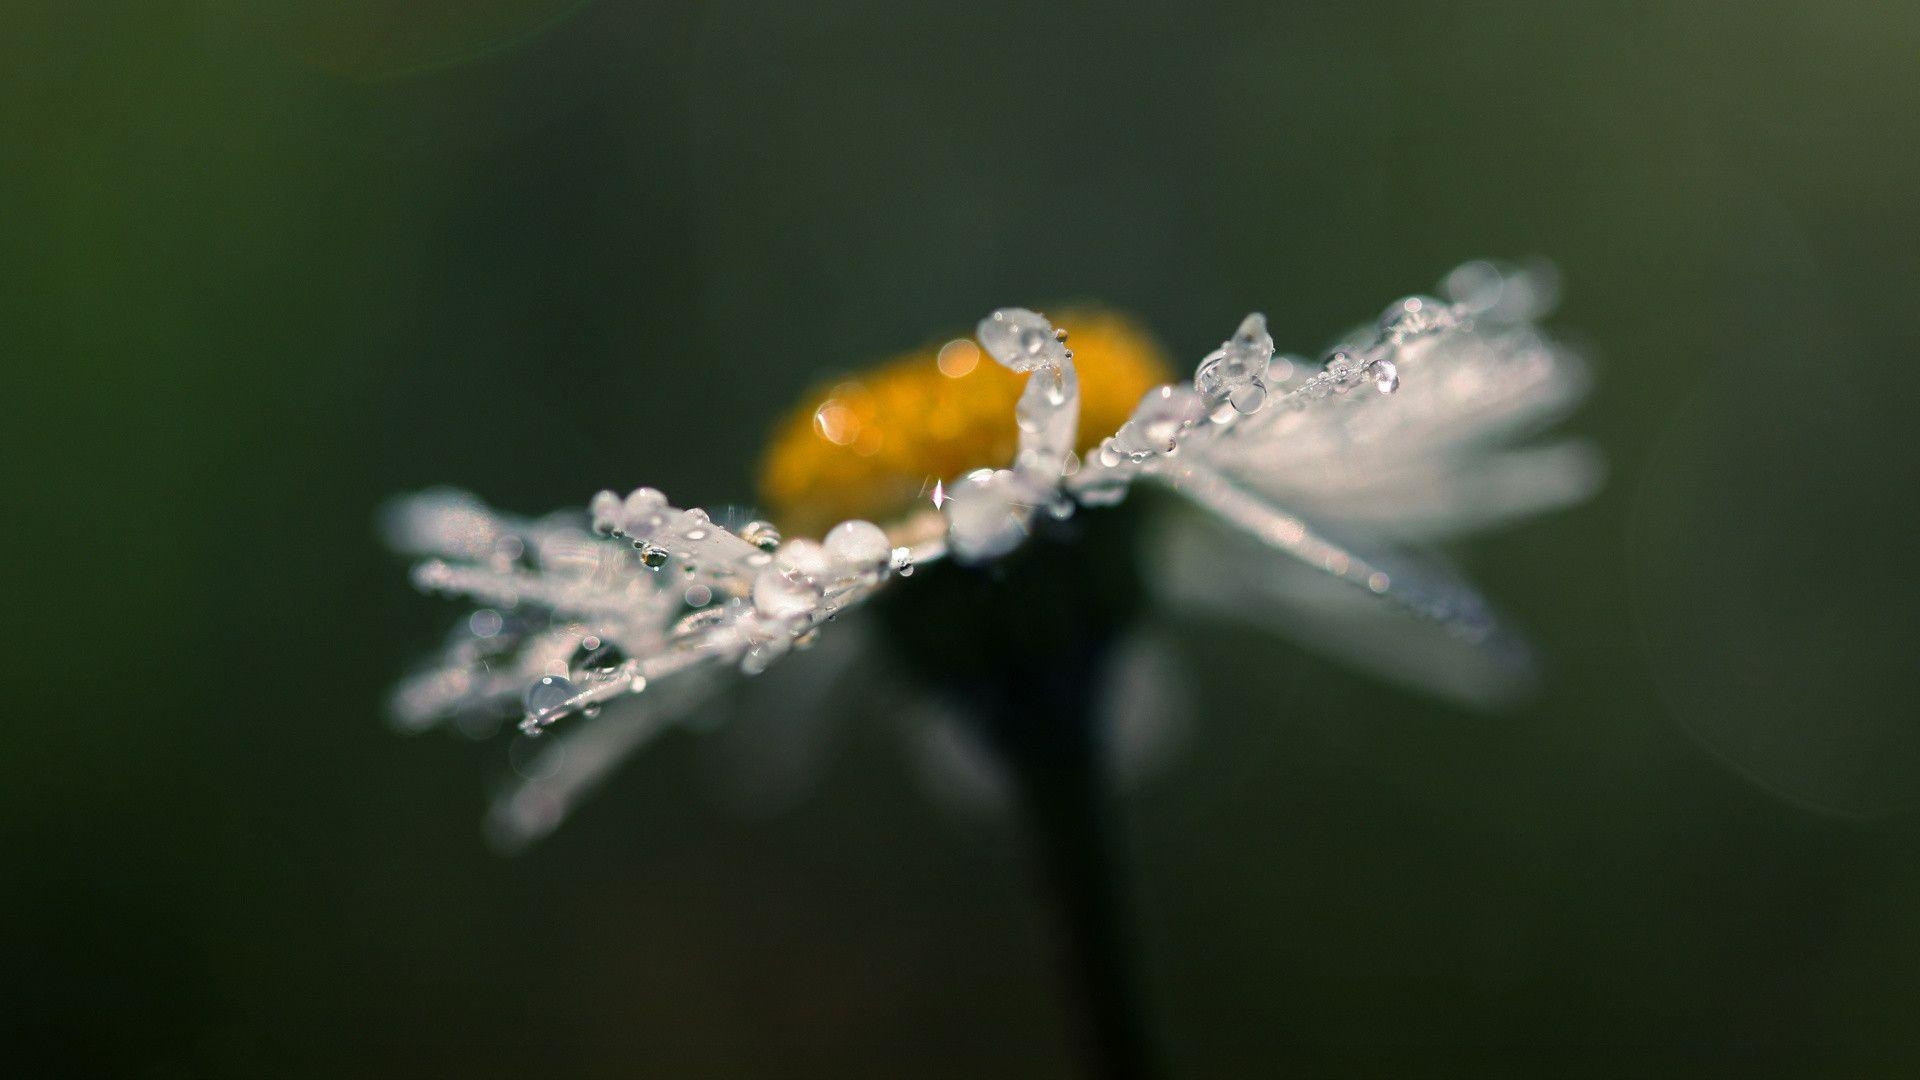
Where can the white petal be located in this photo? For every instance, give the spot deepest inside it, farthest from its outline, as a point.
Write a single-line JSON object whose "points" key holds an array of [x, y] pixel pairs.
{"points": [[1429, 499], [576, 762], [1203, 568], [989, 511]]}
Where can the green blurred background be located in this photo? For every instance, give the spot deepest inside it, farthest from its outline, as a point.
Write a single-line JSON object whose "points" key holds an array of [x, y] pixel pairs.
{"points": [[267, 264]]}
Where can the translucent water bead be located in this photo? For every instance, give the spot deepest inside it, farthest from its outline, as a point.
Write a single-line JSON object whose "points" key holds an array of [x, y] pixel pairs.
{"points": [[1233, 378], [983, 515], [761, 534], [1046, 395], [1155, 428], [637, 515], [1021, 340], [794, 584], [544, 701], [1475, 286], [605, 510], [1386, 377], [1415, 315], [1504, 293], [858, 546]]}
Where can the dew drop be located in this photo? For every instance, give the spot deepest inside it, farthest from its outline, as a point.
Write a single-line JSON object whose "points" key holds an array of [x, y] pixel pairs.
{"points": [[1413, 316], [1233, 378], [1021, 340], [761, 655], [605, 509], [984, 519], [1157, 425], [1476, 285], [761, 534], [1386, 377], [861, 545], [550, 693], [784, 592]]}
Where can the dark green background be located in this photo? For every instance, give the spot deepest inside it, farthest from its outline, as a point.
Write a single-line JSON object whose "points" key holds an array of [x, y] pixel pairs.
{"points": [[264, 265]]}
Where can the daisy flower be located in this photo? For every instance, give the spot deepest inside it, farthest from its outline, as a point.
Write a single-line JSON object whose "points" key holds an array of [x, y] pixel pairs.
{"points": [[1305, 497]]}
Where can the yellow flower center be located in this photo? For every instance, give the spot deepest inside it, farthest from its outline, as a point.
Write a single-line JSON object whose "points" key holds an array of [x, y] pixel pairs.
{"points": [[873, 445]]}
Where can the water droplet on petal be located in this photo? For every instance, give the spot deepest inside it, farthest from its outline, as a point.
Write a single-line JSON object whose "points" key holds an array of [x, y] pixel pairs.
{"points": [[982, 516], [1021, 340], [550, 693], [1414, 315], [605, 509], [761, 534], [1386, 377], [1476, 285], [861, 545], [761, 655], [1233, 378], [785, 592], [1156, 426]]}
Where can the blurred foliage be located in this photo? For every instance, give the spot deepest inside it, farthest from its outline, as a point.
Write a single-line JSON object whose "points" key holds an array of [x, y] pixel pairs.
{"points": [[268, 264]]}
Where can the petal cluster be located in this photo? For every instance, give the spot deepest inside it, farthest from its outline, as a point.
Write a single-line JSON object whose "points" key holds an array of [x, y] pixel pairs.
{"points": [[1401, 432]]}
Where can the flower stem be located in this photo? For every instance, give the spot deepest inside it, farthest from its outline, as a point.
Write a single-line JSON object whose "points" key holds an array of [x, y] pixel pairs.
{"points": [[1064, 795], [1044, 726], [1021, 647]]}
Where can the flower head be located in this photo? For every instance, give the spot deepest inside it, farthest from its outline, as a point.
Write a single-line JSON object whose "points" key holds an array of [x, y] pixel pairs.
{"points": [[639, 609], [872, 446]]}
